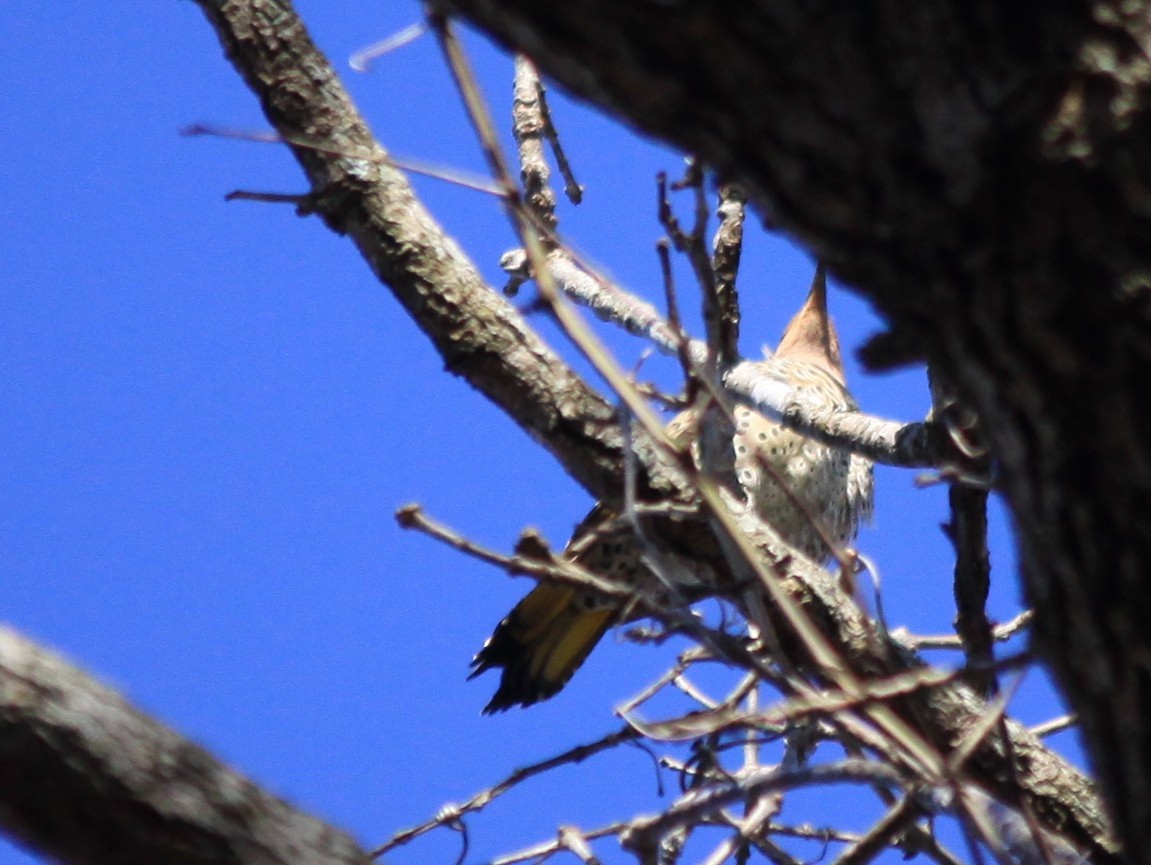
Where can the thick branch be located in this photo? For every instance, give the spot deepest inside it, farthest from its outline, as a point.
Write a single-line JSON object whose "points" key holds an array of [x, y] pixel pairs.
{"points": [[907, 445], [87, 778], [358, 192]]}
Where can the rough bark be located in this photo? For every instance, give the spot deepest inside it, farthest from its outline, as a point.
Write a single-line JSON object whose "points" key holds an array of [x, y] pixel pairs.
{"points": [[980, 170], [87, 778], [358, 192]]}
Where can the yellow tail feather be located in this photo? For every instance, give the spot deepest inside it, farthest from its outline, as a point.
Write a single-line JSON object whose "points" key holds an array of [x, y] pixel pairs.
{"points": [[541, 643]]}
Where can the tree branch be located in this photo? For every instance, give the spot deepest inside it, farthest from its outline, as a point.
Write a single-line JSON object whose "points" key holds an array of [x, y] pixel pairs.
{"points": [[906, 445], [90, 780], [358, 192]]}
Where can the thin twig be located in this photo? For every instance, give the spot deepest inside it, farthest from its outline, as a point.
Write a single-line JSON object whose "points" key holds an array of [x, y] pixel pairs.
{"points": [[561, 571], [665, 678], [483, 798], [1055, 725], [983, 729], [645, 831], [685, 685], [727, 247], [882, 835], [575, 841], [455, 176], [540, 852], [362, 60], [577, 331], [807, 832], [573, 190], [722, 349], [687, 360], [1043, 843], [1000, 633], [528, 126]]}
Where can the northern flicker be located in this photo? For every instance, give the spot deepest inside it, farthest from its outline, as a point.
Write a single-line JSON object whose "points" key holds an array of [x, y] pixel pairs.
{"points": [[549, 634]]}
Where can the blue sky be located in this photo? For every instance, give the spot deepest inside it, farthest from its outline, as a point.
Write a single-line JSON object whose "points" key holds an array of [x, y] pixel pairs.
{"points": [[212, 410]]}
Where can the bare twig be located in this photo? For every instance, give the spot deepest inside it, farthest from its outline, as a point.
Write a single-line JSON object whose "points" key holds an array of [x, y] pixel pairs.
{"points": [[455, 176], [572, 839], [1000, 633], [727, 247], [572, 189], [644, 832], [882, 835], [482, 799], [528, 127], [691, 355], [722, 336], [362, 60], [687, 687], [1055, 725], [607, 300], [979, 732], [728, 716], [541, 852], [539, 565], [813, 833], [665, 678]]}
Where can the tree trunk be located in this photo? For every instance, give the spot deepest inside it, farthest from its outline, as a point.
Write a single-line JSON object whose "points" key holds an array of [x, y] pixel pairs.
{"points": [[980, 171]]}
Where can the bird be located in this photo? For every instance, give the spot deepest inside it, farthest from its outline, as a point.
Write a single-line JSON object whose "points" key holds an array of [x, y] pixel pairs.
{"points": [[541, 643]]}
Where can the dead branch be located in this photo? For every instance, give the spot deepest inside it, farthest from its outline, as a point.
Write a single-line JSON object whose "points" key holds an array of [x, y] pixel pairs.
{"points": [[528, 127], [727, 247], [645, 832], [481, 800]]}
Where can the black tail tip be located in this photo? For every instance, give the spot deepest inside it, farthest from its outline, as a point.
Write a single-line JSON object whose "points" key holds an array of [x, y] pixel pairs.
{"points": [[517, 686]]}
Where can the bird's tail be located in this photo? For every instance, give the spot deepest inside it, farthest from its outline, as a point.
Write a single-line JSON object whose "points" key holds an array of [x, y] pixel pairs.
{"points": [[541, 643]]}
